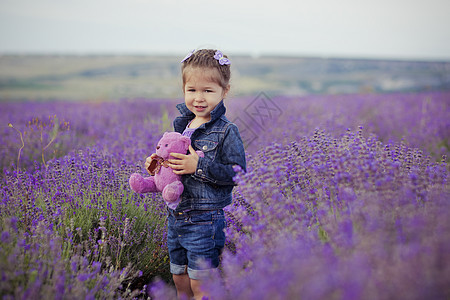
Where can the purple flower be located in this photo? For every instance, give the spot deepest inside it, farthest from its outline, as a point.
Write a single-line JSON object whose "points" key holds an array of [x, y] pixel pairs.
{"points": [[83, 277], [14, 221], [222, 59], [5, 237], [74, 266], [188, 55]]}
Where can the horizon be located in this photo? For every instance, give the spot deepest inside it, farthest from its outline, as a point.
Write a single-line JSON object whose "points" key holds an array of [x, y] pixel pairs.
{"points": [[232, 54]]}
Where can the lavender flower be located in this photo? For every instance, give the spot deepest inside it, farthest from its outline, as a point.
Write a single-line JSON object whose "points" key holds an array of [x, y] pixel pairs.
{"points": [[324, 211]]}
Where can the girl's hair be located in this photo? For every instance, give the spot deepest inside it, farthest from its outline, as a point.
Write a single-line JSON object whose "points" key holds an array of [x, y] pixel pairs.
{"points": [[204, 58]]}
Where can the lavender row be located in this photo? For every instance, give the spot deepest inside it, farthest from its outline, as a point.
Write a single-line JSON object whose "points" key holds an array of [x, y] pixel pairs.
{"points": [[421, 120], [347, 218], [83, 204], [133, 126], [76, 191], [345, 213], [126, 129]]}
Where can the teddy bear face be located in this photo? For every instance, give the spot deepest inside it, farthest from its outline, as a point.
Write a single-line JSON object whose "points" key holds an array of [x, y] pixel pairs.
{"points": [[172, 142]]}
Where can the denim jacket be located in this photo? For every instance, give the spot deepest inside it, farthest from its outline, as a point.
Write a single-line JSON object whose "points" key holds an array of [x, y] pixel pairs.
{"points": [[210, 187]]}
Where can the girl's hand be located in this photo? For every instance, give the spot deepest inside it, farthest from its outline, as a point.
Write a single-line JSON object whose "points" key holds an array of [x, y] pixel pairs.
{"points": [[149, 159], [184, 164]]}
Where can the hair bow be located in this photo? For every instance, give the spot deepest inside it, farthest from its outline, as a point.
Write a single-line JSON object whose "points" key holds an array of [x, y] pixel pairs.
{"points": [[222, 60], [188, 55]]}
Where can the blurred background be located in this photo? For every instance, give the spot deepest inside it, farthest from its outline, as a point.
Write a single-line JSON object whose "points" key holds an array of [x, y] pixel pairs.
{"points": [[109, 50]]}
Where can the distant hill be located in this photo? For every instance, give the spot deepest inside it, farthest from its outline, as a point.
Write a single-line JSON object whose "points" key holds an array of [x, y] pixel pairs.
{"points": [[109, 77]]}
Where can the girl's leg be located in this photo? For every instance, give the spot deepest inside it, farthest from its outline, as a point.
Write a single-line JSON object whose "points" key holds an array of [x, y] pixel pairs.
{"points": [[195, 286], [183, 286]]}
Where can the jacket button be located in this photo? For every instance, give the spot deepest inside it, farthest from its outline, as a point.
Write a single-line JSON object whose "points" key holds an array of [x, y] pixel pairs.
{"points": [[199, 171], [205, 147]]}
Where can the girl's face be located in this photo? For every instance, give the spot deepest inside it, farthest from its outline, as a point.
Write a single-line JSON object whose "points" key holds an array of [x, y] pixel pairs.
{"points": [[202, 93]]}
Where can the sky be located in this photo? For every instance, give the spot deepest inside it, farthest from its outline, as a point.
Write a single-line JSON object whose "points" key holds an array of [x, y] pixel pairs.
{"points": [[398, 29]]}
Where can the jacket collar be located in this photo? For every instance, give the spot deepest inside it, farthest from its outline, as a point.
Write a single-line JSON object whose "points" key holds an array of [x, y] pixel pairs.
{"points": [[216, 113]]}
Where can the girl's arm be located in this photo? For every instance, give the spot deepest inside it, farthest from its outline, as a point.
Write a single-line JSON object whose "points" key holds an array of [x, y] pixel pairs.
{"points": [[231, 153], [220, 170]]}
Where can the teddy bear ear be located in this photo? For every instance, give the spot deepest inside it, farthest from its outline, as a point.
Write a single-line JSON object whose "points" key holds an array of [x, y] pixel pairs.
{"points": [[186, 141], [165, 133]]}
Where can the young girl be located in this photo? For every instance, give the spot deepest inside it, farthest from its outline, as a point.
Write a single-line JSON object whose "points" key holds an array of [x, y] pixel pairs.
{"points": [[196, 227]]}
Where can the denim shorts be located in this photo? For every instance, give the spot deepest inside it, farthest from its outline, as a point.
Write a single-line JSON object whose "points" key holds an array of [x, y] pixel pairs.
{"points": [[195, 240]]}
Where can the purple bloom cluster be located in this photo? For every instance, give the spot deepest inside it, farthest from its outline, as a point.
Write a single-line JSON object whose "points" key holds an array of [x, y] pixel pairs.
{"points": [[125, 130], [38, 263], [347, 218], [82, 201], [421, 120], [324, 212]]}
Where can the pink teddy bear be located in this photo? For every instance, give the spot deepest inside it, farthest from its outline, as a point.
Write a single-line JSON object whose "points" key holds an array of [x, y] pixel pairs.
{"points": [[163, 179]]}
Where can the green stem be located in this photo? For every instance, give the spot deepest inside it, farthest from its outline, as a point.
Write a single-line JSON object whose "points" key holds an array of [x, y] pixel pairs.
{"points": [[23, 145]]}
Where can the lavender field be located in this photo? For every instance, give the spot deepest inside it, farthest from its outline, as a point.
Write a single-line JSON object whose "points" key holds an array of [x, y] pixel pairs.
{"points": [[346, 197]]}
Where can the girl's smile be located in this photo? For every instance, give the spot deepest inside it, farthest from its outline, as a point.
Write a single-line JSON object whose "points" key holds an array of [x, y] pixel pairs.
{"points": [[200, 108]]}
